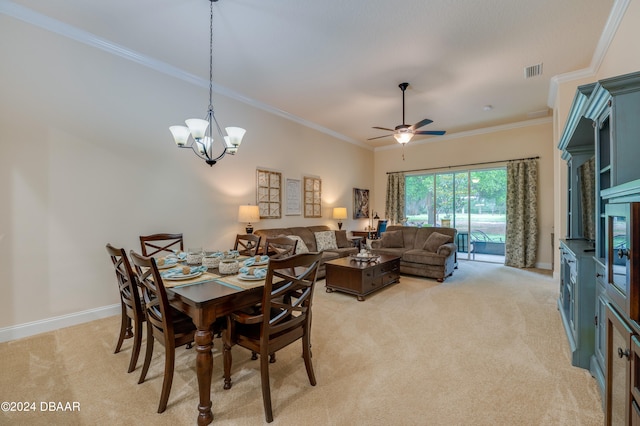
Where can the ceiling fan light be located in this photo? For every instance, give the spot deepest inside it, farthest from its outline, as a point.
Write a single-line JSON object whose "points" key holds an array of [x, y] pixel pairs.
{"points": [[403, 137]]}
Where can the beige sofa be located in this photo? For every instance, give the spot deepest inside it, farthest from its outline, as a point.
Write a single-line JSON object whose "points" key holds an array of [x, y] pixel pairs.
{"points": [[427, 252], [342, 248]]}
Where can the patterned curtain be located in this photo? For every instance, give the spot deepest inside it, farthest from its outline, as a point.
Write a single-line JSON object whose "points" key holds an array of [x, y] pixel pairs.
{"points": [[522, 213], [394, 208]]}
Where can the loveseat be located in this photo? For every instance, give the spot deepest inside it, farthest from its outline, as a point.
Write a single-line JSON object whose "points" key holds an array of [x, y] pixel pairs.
{"points": [[427, 252], [332, 244]]}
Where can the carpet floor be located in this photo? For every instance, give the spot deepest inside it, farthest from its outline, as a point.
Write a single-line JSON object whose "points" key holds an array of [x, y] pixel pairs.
{"points": [[486, 347]]}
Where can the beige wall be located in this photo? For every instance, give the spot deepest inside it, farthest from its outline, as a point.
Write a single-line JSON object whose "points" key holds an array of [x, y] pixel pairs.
{"points": [[86, 158], [623, 54], [496, 145]]}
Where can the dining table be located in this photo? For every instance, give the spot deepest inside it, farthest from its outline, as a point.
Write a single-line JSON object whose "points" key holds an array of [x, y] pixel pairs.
{"points": [[204, 299]]}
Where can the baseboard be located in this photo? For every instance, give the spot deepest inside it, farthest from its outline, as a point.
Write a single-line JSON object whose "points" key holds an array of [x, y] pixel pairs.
{"points": [[50, 324], [541, 265]]}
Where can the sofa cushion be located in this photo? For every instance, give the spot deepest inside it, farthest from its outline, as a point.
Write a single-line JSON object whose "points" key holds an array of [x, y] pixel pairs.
{"points": [[394, 251], [326, 240], [392, 239], [329, 255], [307, 236], [301, 247], [424, 257], [342, 240], [435, 240]]}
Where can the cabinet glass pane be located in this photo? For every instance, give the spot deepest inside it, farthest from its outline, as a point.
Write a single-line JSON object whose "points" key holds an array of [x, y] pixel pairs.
{"points": [[616, 258]]}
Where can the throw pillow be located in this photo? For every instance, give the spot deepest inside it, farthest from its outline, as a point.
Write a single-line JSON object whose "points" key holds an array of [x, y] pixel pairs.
{"points": [[326, 240], [301, 247], [435, 240], [342, 240], [392, 239]]}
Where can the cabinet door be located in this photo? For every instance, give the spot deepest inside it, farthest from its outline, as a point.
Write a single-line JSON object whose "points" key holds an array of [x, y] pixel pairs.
{"points": [[635, 367], [600, 332], [617, 391]]}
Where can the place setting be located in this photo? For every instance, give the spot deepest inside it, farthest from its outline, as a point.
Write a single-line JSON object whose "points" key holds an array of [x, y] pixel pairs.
{"points": [[182, 275]]}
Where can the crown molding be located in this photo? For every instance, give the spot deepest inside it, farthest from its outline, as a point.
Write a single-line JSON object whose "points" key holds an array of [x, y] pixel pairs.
{"points": [[611, 27], [42, 21]]}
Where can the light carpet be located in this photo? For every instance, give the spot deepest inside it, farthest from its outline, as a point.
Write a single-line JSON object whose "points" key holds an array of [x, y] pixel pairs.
{"points": [[486, 347]]}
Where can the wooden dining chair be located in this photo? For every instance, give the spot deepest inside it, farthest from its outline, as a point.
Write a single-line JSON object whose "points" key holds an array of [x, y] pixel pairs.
{"points": [[247, 244], [282, 318], [160, 244], [132, 313], [166, 324], [280, 247]]}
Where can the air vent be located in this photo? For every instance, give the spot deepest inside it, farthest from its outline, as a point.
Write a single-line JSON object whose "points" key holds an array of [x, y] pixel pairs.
{"points": [[533, 70]]}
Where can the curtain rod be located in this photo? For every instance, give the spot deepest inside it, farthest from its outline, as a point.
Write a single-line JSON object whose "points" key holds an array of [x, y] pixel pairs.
{"points": [[464, 165]]}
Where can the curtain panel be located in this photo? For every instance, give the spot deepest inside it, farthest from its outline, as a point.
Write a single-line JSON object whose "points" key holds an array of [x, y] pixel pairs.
{"points": [[522, 214], [394, 207]]}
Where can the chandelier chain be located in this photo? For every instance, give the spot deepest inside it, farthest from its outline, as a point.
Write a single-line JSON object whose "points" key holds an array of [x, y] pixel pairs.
{"points": [[211, 55]]}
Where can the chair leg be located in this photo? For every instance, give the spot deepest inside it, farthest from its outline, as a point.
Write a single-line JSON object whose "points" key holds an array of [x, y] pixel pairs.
{"points": [[137, 342], [125, 329], [306, 354], [227, 365], [169, 362], [266, 390], [148, 353]]}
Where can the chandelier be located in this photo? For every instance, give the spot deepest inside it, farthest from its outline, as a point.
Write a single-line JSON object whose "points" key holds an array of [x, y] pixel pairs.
{"points": [[198, 134]]}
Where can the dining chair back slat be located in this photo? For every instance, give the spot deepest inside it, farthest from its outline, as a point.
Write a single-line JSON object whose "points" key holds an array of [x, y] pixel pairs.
{"points": [[247, 244], [280, 247], [161, 244]]}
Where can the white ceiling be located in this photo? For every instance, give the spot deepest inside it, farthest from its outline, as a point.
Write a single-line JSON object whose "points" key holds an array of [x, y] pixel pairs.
{"points": [[336, 64]]}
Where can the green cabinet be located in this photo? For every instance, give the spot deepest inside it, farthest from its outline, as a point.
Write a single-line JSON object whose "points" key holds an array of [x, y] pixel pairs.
{"points": [[577, 301]]}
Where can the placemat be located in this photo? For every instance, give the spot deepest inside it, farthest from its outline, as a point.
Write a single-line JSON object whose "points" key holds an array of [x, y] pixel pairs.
{"points": [[206, 276], [234, 281]]}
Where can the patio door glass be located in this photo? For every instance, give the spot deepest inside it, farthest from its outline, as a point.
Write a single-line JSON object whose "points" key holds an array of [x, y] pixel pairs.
{"points": [[472, 201]]}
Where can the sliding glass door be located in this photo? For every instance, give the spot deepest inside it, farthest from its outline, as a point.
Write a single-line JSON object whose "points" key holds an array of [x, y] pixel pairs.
{"points": [[472, 201]]}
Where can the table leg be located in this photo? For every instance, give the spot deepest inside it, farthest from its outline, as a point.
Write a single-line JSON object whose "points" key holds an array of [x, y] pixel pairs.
{"points": [[204, 367]]}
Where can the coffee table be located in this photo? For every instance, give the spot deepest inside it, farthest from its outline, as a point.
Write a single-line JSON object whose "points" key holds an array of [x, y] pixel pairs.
{"points": [[361, 278]]}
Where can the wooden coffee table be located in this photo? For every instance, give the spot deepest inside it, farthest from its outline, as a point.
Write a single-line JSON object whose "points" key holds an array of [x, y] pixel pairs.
{"points": [[360, 278]]}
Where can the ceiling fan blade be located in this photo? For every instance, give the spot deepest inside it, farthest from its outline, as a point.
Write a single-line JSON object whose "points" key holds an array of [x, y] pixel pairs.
{"points": [[379, 137], [430, 132], [383, 128], [421, 123]]}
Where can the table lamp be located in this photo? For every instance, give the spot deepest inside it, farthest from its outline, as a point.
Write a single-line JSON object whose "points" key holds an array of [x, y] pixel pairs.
{"points": [[248, 214], [339, 213]]}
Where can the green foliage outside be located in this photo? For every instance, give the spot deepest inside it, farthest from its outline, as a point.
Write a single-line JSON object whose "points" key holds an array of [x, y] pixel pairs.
{"points": [[433, 197]]}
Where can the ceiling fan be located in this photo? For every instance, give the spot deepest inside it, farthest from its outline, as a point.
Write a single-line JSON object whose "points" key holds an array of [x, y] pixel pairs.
{"points": [[403, 132]]}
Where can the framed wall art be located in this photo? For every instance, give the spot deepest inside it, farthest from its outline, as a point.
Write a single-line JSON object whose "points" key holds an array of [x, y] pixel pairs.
{"points": [[293, 206], [360, 203], [269, 194], [312, 197]]}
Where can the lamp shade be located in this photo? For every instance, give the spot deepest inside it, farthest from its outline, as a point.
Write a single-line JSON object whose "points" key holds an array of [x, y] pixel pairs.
{"points": [[248, 214], [339, 213]]}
